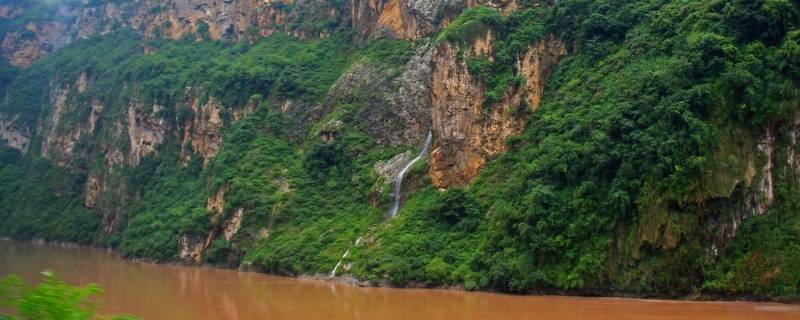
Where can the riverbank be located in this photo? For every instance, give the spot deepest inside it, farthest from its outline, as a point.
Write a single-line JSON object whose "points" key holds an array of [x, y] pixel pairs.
{"points": [[206, 293], [351, 281]]}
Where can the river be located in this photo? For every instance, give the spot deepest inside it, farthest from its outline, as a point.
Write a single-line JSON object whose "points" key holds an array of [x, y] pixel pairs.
{"points": [[156, 292]]}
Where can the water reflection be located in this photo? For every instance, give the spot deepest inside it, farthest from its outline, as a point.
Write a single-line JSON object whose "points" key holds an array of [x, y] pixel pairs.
{"points": [[175, 292]]}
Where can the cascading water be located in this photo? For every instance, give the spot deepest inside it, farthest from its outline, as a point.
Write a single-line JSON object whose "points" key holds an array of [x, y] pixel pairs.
{"points": [[396, 194], [345, 255], [398, 180]]}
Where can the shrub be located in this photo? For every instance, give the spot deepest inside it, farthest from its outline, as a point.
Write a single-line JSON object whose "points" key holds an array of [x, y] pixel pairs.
{"points": [[52, 299]]}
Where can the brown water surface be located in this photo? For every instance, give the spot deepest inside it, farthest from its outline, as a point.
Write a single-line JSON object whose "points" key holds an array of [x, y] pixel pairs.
{"points": [[177, 292]]}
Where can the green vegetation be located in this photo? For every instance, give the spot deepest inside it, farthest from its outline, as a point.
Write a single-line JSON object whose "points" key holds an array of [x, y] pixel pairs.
{"points": [[32, 11], [648, 148], [52, 299], [303, 195], [41, 201], [605, 189], [470, 24], [512, 35]]}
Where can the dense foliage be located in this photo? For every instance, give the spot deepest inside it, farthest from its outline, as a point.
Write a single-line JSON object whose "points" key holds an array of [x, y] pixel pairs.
{"points": [[52, 299], [40, 200], [647, 147], [608, 188], [291, 190]]}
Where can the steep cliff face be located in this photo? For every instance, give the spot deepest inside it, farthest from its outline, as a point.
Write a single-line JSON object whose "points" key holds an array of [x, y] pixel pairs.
{"points": [[202, 131], [13, 135], [192, 248], [231, 19], [178, 17], [79, 132], [752, 191], [412, 19], [146, 130], [466, 132], [393, 107], [23, 47], [68, 122]]}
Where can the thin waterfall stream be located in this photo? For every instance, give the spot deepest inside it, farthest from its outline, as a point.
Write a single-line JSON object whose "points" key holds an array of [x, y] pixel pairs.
{"points": [[398, 180], [345, 255], [397, 189]]}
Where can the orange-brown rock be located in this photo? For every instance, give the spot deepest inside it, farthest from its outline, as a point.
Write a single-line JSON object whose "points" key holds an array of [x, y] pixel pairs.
{"points": [[536, 65], [22, 47], [203, 130], [404, 19], [466, 132], [216, 203]]}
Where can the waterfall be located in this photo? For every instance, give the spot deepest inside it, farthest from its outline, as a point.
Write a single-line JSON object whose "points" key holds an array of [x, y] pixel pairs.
{"points": [[398, 180], [396, 193], [345, 255]]}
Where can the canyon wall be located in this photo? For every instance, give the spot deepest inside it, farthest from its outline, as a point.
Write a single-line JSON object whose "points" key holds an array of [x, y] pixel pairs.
{"points": [[467, 131], [22, 44]]}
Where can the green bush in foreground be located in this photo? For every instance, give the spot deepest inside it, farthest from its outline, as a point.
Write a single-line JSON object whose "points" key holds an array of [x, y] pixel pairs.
{"points": [[52, 299]]}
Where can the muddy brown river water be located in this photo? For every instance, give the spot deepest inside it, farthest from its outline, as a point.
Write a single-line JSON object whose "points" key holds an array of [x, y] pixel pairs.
{"points": [[156, 292]]}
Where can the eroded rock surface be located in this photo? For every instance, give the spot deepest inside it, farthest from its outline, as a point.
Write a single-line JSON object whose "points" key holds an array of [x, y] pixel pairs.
{"points": [[468, 132]]}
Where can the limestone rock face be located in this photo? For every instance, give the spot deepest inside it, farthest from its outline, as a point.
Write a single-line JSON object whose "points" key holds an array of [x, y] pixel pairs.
{"points": [[411, 19], [202, 131], [13, 135], [216, 203], [404, 19], [392, 108], [536, 65], [229, 19], [21, 48], [232, 225], [67, 122], [389, 169], [467, 132], [145, 130], [75, 133], [191, 249], [412, 99]]}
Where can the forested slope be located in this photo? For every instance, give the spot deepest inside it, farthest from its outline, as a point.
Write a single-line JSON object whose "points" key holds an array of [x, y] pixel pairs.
{"points": [[592, 147]]}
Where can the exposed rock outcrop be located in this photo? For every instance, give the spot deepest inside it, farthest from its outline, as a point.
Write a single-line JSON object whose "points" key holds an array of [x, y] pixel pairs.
{"points": [[92, 191], [191, 248], [231, 226], [23, 47], [216, 203], [392, 108], [13, 135], [68, 122], [203, 130], [216, 19], [388, 169], [467, 132], [405, 19], [146, 130], [230, 19], [411, 19]]}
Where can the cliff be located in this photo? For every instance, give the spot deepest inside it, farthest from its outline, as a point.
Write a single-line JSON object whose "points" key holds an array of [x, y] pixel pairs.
{"points": [[467, 132], [577, 146]]}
